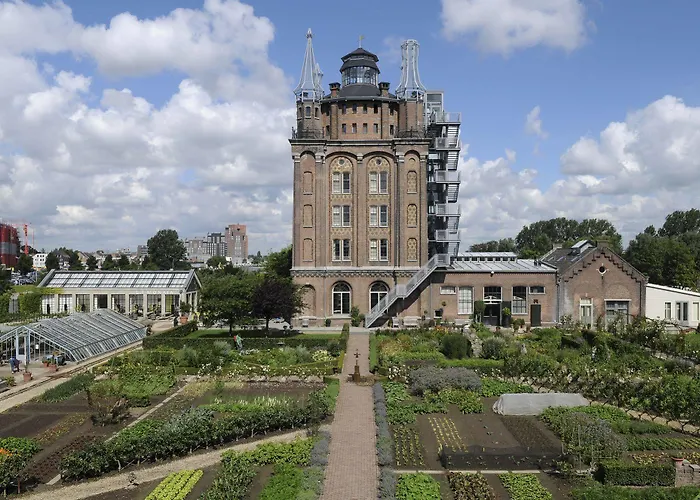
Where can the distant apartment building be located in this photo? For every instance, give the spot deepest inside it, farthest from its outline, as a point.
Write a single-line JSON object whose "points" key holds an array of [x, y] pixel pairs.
{"points": [[237, 243], [215, 244], [141, 251], [201, 249], [39, 261]]}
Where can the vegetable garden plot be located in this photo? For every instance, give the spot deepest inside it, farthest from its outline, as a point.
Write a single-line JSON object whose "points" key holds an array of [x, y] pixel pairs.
{"points": [[176, 486], [408, 449], [481, 458], [446, 433], [662, 443], [47, 464], [532, 434]]}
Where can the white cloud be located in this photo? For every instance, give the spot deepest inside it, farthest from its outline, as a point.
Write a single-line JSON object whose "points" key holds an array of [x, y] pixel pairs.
{"points": [[634, 174], [533, 123], [505, 26], [110, 161]]}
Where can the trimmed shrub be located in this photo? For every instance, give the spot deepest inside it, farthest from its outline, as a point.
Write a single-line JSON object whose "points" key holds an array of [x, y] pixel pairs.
{"points": [[178, 331], [434, 379], [494, 348], [481, 366], [621, 493], [618, 473], [456, 347], [207, 344]]}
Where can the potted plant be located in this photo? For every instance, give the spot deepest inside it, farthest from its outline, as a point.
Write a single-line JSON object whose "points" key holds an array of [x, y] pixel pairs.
{"points": [[53, 366], [506, 317], [27, 375], [479, 309], [327, 322]]}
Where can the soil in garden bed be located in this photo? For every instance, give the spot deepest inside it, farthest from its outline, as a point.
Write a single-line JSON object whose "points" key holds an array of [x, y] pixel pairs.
{"points": [[138, 493], [46, 465], [557, 486], [261, 479], [532, 434], [497, 486], [483, 429]]}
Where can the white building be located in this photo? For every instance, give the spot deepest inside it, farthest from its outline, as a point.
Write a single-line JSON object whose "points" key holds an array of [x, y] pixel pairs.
{"points": [[675, 305], [39, 260]]}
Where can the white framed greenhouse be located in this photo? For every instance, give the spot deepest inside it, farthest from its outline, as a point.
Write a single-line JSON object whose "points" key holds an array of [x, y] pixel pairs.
{"points": [[77, 337]]}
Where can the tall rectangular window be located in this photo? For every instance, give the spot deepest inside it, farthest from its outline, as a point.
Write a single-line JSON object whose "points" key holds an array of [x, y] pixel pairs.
{"points": [[341, 249], [373, 183], [465, 300], [346, 182], [696, 311], [383, 182], [373, 216], [383, 216], [364, 109], [376, 109], [354, 128], [337, 182], [391, 130], [345, 108], [373, 250], [616, 309], [383, 249], [364, 128], [519, 304], [376, 128], [354, 108], [344, 128], [667, 310], [681, 311], [341, 215]]}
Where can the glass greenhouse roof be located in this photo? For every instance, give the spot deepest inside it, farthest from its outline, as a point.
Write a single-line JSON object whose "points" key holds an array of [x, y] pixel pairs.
{"points": [[81, 335], [118, 279]]}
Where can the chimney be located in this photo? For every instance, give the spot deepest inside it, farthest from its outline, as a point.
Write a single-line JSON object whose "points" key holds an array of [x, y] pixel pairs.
{"points": [[602, 243], [335, 87], [384, 88]]}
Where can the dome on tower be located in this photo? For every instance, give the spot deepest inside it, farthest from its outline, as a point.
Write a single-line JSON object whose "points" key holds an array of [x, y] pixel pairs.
{"points": [[359, 74]]}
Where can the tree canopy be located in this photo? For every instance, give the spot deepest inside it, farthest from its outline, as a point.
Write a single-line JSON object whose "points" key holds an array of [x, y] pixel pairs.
{"points": [[52, 261], [276, 297], [502, 245], [25, 264], [279, 263], [539, 237], [91, 263], [167, 251], [228, 298]]}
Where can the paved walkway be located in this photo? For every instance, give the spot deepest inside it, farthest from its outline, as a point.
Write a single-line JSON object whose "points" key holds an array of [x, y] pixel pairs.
{"points": [[352, 467]]}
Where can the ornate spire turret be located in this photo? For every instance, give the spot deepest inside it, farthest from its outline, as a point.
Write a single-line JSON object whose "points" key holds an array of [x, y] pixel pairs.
{"points": [[410, 86], [309, 87]]}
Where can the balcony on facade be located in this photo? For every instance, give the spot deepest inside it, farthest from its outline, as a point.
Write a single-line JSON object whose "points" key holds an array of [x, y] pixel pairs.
{"points": [[445, 210], [446, 236], [307, 134], [445, 117], [445, 177], [447, 143]]}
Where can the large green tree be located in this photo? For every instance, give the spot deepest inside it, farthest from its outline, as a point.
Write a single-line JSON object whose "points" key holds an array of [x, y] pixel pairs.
{"points": [[166, 250], [502, 245], [681, 222], [52, 261], [74, 263], [276, 297], [108, 264], [228, 298], [279, 263], [123, 263], [216, 262], [539, 237], [25, 264], [679, 265], [91, 263], [647, 253]]}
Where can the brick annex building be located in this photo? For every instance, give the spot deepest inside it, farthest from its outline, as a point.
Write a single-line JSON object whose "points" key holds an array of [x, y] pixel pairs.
{"points": [[376, 218]]}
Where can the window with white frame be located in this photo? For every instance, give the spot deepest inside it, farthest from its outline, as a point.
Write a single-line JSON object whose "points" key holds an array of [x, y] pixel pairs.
{"points": [[681, 311], [373, 250], [519, 303], [465, 300], [341, 215], [696, 311], [383, 249], [383, 182], [586, 311], [341, 249], [616, 309], [667, 311], [373, 182], [537, 290], [373, 216], [383, 215], [341, 182], [341, 298], [447, 290], [377, 292]]}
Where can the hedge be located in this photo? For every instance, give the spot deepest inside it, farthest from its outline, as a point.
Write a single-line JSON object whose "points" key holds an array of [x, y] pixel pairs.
{"points": [[621, 493], [618, 473], [479, 365], [205, 344], [178, 331]]}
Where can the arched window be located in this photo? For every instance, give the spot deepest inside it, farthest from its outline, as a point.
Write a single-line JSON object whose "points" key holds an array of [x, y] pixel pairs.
{"points": [[341, 298], [376, 293]]}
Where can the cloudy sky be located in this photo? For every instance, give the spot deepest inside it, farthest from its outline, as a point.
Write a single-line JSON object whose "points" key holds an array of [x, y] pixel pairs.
{"points": [[120, 118]]}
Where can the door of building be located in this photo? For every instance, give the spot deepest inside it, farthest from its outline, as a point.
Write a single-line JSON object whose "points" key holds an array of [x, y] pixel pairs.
{"points": [[536, 314], [492, 314]]}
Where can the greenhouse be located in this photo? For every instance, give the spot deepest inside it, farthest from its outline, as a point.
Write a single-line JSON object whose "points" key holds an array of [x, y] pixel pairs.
{"points": [[76, 337]]}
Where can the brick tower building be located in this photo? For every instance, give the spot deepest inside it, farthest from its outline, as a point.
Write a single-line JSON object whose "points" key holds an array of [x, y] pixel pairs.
{"points": [[375, 184]]}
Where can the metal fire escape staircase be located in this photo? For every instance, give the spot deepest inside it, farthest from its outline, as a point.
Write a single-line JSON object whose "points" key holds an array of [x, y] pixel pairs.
{"points": [[401, 291]]}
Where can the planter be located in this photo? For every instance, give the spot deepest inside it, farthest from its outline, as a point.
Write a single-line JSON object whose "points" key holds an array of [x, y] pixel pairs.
{"points": [[27, 376], [678, 462], [53, 367]]}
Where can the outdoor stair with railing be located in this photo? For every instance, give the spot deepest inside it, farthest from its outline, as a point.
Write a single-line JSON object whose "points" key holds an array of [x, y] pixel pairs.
{"points": [[403, 290]]}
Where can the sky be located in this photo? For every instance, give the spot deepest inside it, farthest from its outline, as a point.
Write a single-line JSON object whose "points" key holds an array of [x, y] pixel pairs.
{"points": [[121, 118]]}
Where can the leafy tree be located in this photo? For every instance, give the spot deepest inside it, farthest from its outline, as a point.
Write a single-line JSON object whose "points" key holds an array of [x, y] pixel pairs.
{"points": [[276, 297], [108, 264], [216, 262], [166, 250], [228, 298], [279, 263], [147, 265], [52, 261], [646, 252], [74, 263], [24, 264], [5, 285], [123, 262], [681, 222], [502, 245], [256, 259], [91, 263], [679, 265], [538, 238]]}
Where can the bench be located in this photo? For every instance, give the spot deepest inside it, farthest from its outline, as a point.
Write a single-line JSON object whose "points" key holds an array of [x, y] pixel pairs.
{"points": [[410, 322]]}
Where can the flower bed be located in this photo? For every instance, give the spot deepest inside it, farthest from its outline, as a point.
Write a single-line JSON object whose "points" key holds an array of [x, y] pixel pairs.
{"points": [[524, 487], [15, 454], [176, 486], [470, 487]]}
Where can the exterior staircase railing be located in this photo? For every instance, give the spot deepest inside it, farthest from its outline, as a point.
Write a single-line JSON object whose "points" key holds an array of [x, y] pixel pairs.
{"points": [[403, 290]]}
